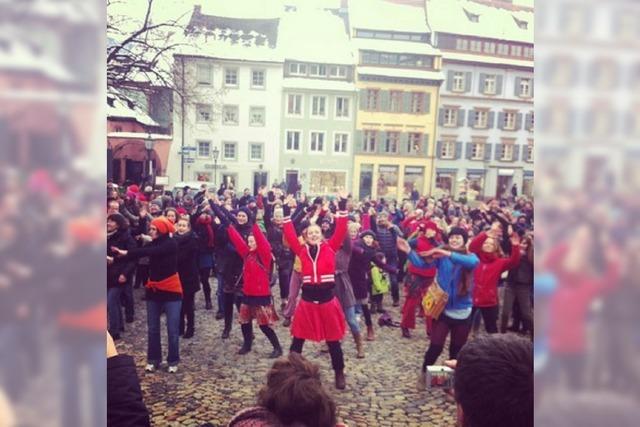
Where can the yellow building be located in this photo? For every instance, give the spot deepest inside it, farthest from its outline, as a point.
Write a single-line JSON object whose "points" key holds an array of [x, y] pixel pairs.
{"points": [[398, 76]]}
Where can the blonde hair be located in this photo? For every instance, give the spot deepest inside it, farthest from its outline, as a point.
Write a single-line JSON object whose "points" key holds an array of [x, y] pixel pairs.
{"points": [[354, 226]]}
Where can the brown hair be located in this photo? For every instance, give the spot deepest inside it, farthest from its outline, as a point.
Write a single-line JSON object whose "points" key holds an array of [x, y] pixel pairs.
{"points": [[294, 393]]}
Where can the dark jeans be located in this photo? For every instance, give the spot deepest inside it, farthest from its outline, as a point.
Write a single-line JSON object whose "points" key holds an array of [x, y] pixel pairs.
{"points": [[439, 330], [220, 292], [489, 317], [205, 274], [114, 311], [154, 345], [335, 350], [229, 299], [395, 287], [187, 313], [284, 277]]}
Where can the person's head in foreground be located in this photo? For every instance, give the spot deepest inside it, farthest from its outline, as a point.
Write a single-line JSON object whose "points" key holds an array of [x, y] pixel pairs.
{"points": [[293, 395], [494, 382]]}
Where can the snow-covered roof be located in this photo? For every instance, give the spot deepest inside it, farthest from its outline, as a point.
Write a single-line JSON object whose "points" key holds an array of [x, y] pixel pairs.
{"points": [[318, 84], [485, 59], [454, 17], [117, 107], [395, 46], [245, 9], [314, 35], [139, 135], [387, 16], [17, 55], [214, 44], [401, 72]]}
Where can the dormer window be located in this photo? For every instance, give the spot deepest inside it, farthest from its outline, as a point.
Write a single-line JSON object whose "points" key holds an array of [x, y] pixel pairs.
{"points": [[473, 17], [523, 25]]}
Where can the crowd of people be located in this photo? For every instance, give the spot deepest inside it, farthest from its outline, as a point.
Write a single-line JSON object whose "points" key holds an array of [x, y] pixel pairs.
{"points": [[332, 258]]}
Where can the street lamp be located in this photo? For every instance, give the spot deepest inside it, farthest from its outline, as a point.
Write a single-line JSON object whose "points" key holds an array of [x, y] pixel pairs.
{"points": [[215, 153], [148, 144]]}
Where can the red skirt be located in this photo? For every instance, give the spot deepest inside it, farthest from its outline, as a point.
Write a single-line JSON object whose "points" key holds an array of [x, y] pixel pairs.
{"points": [[265, 315], [319, 322]]}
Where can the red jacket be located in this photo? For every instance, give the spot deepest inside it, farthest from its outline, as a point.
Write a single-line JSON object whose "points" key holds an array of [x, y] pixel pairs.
{"points": [[422, 245], [322, 269], [255, 269], [487, 274]]}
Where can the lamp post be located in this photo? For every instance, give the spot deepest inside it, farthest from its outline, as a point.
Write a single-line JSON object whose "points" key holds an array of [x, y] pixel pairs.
{"points": [[215, 153], [148, 144]]}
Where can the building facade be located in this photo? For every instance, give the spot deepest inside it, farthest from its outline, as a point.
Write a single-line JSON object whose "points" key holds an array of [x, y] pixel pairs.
{"points": [[398, 78], [486, 116]]}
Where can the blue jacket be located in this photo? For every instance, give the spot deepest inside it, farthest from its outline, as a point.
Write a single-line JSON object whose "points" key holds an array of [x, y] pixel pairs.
{"points": [[449, 275]]}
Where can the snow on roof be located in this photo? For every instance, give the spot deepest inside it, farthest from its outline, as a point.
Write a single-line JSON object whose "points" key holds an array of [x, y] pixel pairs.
{"points": [[215, 45], [453, 17], [245, 9], [485, 59], [139, 135], [401, 72], [314, 35], [395, 46], [118, 107], [318, 84], [387, 16], [16, 55]]}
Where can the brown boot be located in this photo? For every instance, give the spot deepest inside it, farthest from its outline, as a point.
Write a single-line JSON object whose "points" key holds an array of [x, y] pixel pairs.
{"points": [[340, 380], [359, 348], [370, 335]]}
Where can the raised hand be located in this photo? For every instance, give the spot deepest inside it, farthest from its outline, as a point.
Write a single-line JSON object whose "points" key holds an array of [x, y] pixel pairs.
{"points": [[343, 194], [515, 239], [403, 245]]}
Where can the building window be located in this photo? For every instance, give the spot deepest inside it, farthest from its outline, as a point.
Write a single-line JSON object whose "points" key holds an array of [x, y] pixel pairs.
{"points": [[503, 49], [204, 113], [204, 74], [480, 119], [396, 101], [294, 105], [489, 85], [462, 44], [414, 143], [258, 78], [203, 176], [317, 70], [525, 88], [230, 115], [489, 47], [529, 156], [447, 149], [392, 142], [528, 52], [342, 107], [231, 77], [369, 141], [204, 149], [417, 102], [337, 71], [387, 181], [293, 140], [326, 182], [509, 120], [507, 152], [477, 151], [256, 151], [319, 106], [118, 129], [475, 46], [340, 142], [516, 50], [256, 116], [413, 180], [372, 99], [451, 117], [317, 142], [296, 69], [458, 82], [229, 150]]}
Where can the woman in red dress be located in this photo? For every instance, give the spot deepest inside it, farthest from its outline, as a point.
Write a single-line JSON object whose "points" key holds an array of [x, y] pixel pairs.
{"points": [[318, 316]]}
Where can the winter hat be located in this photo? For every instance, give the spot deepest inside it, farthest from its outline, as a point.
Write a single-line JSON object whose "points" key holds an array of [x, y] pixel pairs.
{"points": [[325, 221], [148, 189], [119, 219], [428, 225], [368, 233], [157, 202], [459, 231], [163, 225], [351, 218], [246, 210], [181, 211]]}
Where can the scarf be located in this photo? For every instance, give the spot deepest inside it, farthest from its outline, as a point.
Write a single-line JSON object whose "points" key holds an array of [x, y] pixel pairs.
{"points": [[206, 224]]}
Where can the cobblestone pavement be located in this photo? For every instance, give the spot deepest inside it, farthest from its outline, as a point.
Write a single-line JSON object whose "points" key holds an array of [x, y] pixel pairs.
{"points": [[213, 382]]}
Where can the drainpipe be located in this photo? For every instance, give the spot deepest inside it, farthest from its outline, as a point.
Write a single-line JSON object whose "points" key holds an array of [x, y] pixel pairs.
{"points": [[182, 124]]}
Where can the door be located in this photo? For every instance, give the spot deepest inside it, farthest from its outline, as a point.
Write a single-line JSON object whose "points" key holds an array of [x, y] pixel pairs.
{"points": [[259, 179], [366, 179], [504, 186], [292, 181], [134, 171], [229, 180]]}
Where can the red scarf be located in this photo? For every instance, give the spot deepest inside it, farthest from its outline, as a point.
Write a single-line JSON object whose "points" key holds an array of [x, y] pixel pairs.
{"points": [[206, 222], [170, 284]]}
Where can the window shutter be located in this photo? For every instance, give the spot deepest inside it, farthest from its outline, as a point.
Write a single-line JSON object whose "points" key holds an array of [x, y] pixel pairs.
{"points": [[439, 150], [425, 144], [404, 143], [440, 117], [363, 99], [498, 152], [385, 100], [487, 151], [518, 121], [499, 85], [516, 89], [450, 81], [467, 81], [458, 150], [501, 120], [382, 142], [471, 118], [481, 82], [406, 103], [461, 117], [491, 119], [516, 152], [426, 99], [531, 86], [359, 141], [527, 121], [468, 150]]}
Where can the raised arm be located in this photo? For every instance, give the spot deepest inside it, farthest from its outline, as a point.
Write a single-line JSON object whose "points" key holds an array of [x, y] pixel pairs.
{"points": [[420, 262], [514, 258], [264, 247], [377, 260], [467, 261], [290, 236], [341, 225], [476, 244], [238, 242]]}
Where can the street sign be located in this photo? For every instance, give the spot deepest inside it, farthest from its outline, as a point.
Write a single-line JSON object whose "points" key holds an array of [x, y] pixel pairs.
{"points": [[188, 160], [219, 167]]}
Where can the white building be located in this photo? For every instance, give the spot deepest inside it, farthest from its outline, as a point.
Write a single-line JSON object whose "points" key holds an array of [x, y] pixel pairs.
{"points": [[235, 69], [485, 122]]}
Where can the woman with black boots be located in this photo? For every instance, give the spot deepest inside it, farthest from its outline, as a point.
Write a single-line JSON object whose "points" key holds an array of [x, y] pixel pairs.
{"points": [[318, 316], [256, 300], [202, 225], [455, 276], [188, 272]]}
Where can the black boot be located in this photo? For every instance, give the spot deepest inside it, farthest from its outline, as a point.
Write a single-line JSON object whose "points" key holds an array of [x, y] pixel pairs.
{"points": [[247, 333], [273, 339]]}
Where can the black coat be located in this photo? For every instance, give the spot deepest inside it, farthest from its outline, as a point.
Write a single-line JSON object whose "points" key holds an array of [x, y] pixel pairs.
{"points": [[121, 239], [163, 263], [188, 262], [125, 406]]}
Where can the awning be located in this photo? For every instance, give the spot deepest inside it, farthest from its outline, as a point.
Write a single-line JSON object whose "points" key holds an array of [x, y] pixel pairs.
{"points": [[527, 174], [506, 172]]}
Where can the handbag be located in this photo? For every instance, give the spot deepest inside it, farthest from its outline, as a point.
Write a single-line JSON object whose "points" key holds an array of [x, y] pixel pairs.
{"points": [[434, 300]]}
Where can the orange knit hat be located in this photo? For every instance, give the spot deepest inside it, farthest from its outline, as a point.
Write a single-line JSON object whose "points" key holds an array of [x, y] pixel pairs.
{"points": [[163, 225]]}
